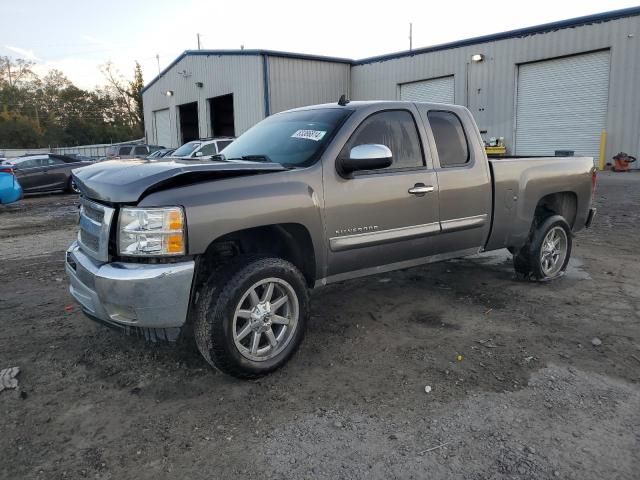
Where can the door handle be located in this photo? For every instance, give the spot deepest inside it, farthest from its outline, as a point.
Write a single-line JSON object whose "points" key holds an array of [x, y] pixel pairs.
{"points": [[420, 189]]}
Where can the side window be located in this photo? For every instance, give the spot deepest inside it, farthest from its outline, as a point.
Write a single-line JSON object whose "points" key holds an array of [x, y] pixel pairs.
{"points": [[54, 161], [224, 144], [451, 141], [140, 151], [124, 151], [28, 164], [209, 149], [397, 130]]}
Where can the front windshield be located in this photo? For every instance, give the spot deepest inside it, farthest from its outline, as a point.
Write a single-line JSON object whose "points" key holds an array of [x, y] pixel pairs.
{"points": [[186, 149], [291, 139]]}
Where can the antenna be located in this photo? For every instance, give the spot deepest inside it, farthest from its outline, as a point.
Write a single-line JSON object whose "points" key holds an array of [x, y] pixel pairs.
{"points": [[198, 35], [410, 36], [158, 60], [343, 100]]}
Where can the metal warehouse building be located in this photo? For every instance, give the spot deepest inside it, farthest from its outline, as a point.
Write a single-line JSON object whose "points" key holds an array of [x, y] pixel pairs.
{"points": [[550, 87]]}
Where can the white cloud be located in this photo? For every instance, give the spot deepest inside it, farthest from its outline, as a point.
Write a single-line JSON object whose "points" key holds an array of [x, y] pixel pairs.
{"points": [[23, 52]]}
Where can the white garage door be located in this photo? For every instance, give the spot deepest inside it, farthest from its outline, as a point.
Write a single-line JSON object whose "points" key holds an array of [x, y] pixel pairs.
{"points": [[438, 90], [562, 105], [162, 127]]}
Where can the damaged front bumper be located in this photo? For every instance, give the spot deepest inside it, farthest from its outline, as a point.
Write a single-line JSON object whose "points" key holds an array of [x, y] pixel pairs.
{"points": [[151, 300]]}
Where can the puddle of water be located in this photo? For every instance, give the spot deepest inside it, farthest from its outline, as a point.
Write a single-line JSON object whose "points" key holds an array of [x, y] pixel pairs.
{"points": [[574, 271]]}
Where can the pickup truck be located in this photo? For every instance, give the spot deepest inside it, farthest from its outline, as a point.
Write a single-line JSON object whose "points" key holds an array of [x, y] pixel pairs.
{"points": [[229, 248]]}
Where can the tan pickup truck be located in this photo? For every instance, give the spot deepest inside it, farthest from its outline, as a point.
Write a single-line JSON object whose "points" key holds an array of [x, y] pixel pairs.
{"points": [[232, 246]]}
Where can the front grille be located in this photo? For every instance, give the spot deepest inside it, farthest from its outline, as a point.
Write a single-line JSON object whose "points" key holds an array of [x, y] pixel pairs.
{"points": [[90, 240], [92, 213], [95, 224]]}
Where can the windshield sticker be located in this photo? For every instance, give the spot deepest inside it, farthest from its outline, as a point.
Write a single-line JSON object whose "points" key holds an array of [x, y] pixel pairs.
{"points": [[315, 135]]}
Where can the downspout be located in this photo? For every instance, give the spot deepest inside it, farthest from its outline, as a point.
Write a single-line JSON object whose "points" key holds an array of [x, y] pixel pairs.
{"points": [[265, 85]]}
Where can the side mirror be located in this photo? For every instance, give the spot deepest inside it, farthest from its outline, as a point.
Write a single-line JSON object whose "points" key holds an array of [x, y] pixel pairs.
{"points": [[198, 154], [367, 157]]}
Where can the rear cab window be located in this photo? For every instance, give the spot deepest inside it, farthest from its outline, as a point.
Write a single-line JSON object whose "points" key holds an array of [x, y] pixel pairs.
{"points": [[397, 130], [450, 138]]}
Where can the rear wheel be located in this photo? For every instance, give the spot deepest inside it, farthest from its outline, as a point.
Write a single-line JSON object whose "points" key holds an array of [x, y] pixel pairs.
{"points": [[251, 316], [546, 255]]}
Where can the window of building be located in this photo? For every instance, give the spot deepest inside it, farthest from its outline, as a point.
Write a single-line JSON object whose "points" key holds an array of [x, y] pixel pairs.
{"points": [[451, 141]]}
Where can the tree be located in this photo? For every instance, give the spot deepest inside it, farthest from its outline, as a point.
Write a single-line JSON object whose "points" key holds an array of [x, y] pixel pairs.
{"points": [[135, 89], [51, 111], [128, 93], [13, 72]]}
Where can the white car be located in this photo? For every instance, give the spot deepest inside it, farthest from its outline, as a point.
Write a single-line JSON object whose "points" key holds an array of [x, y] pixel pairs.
{"points": [[202, 148]]}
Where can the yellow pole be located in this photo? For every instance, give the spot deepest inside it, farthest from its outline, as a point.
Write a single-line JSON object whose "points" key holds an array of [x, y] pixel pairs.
{"points": [[603, 149]]}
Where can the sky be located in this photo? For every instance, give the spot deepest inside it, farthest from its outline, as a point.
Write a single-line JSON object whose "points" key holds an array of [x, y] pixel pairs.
{"points": [[77, 37]]}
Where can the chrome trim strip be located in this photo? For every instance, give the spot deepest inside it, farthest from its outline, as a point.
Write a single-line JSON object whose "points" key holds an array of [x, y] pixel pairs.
{"points": [[370, 239], [340, 277], [464, 223]]}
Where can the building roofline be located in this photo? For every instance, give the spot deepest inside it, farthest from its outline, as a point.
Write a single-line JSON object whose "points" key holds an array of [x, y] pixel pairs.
{"points": [[254, 52], [520, 32]]}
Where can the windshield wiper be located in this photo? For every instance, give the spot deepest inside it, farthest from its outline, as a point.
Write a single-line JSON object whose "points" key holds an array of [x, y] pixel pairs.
{"points": [[253, 158]]}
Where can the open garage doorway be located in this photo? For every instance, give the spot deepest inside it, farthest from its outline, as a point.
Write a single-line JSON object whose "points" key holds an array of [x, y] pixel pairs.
{"points": [[221, 111], [189, 122]]}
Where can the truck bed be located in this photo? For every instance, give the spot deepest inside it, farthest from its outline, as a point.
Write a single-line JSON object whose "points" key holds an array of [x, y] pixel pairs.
{"points": [[520, 183]]}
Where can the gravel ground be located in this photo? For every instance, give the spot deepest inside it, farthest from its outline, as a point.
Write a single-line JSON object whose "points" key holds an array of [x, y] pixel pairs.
{"points": [[519, 387]]}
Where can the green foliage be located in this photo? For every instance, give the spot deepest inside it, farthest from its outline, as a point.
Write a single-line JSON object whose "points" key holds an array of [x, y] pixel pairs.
{"points": [[50, 110]]}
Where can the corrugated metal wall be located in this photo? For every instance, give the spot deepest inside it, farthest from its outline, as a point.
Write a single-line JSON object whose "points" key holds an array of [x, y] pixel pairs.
{"points": [[296, 83], [240, 75], [488, 88]]}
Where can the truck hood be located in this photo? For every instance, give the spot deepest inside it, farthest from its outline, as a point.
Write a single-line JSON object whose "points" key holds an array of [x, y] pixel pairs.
{"points": [[127, 181]]}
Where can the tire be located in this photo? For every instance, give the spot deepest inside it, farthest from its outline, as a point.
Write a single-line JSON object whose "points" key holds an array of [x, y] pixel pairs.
{"points": [[546, 256], [71, 186], [228, 318]]}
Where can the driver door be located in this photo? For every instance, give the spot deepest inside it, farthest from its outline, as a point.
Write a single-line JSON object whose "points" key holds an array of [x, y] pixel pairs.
{"points": [[388, 218]]}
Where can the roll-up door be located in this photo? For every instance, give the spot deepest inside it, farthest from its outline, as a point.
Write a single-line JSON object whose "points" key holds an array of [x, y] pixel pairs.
{"points": [[438, 90], [562, 105], [162, 128]]}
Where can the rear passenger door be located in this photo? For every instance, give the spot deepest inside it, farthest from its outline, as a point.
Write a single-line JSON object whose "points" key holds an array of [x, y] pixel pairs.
{"points": [[373, 218], [463, 177]]}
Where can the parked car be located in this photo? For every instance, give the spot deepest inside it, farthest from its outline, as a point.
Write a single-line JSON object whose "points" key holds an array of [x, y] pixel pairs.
{"points": [[10, 189], [203, 148], [306, 198], [163, 152], [133, 150], [46, 172]]}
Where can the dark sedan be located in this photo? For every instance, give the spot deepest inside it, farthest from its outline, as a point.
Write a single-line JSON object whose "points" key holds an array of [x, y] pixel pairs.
{"points": [[45, 173]]}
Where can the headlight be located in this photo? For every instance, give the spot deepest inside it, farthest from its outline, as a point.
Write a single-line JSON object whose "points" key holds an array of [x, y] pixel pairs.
{"points": [[146, 232]]}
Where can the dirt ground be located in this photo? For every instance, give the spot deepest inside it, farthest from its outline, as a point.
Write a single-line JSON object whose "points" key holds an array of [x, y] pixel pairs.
{"points": [[531, 397]]}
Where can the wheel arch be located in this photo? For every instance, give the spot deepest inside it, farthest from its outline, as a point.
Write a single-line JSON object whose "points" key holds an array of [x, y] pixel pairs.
{"points": [[559, 203], [289, 241]]}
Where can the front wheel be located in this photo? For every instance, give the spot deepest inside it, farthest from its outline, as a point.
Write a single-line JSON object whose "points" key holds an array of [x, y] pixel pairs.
{"points": [[547, 254], [251, 316], [72, 187]]}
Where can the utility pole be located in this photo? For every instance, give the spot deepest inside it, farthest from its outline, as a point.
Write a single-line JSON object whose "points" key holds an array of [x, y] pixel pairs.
{"points": [[410, 36], [158, 60], [198, 35]]}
